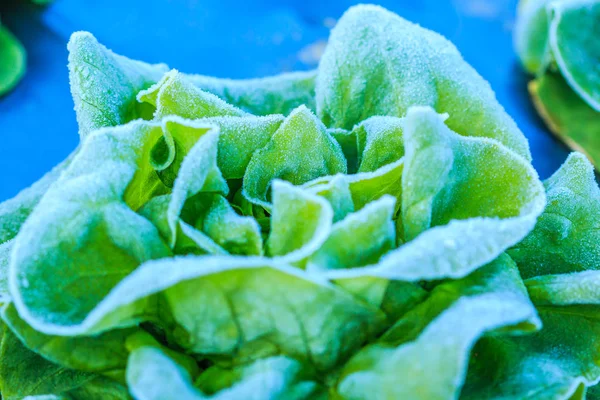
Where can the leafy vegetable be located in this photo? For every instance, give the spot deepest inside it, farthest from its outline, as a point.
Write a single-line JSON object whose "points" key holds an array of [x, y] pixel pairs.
{"points": [[557, 41], [220, 239]]}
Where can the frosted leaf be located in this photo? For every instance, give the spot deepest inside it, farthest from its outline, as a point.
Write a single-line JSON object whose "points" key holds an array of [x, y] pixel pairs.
{"points": [[337, 192], [218, 301], [430, 345], [83, 239], [558, 259], [279, 94], [104, 84], [555, 363], [276, 378], [240, 137], [566, 238], [235, 233], [188, 239], [152, 375], [198, 173], [464, 202], [377, 63], [366, 187], [300, 222], [361, 238], [299, 151], [557, 41], [380, 142], [574, 31], [369, 186], [176, 95]]}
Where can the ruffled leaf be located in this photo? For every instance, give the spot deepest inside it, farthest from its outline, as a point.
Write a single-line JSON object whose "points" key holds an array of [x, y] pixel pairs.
{"points": [[337, 192], [464, 202], [174, 94], [429, 347], [83, 238], [301, 150], [279, 94], [380, 142], [377, 63], [574, 32], [152, 375], [239, 138], [300, 222], [105, 353], [566, 238], [104, 85], [360, 239], [235, 233], [559, 258], [226, 310], [24, 373]]}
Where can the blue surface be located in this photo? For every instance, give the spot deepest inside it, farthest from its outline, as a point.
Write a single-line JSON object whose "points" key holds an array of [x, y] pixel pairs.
{"points": [[226, 38]]}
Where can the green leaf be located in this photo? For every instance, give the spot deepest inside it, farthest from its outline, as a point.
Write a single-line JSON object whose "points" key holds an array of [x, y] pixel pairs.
{"points": [[174, 94], [241, 309], [236, 234], [83, 239], [377, 63], [531, 34], [285, 373], [300, 223], [104, 85], [152, 375], [301, 150], [554, 363], [279, 94], [13, 60], [464, 202], [105, 353], [449, 177], [366, 187], [429, 347], [188, 239], [239, 138], [567, 115], [566, 238], [574, 32], [559, 260], [337, 192], [143, 339], [360, 239], [24, 373], [380, 142], [198, 173]]}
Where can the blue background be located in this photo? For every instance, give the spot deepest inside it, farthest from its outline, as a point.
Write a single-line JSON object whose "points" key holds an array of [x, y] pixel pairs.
{"points": [[226, 38]]}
